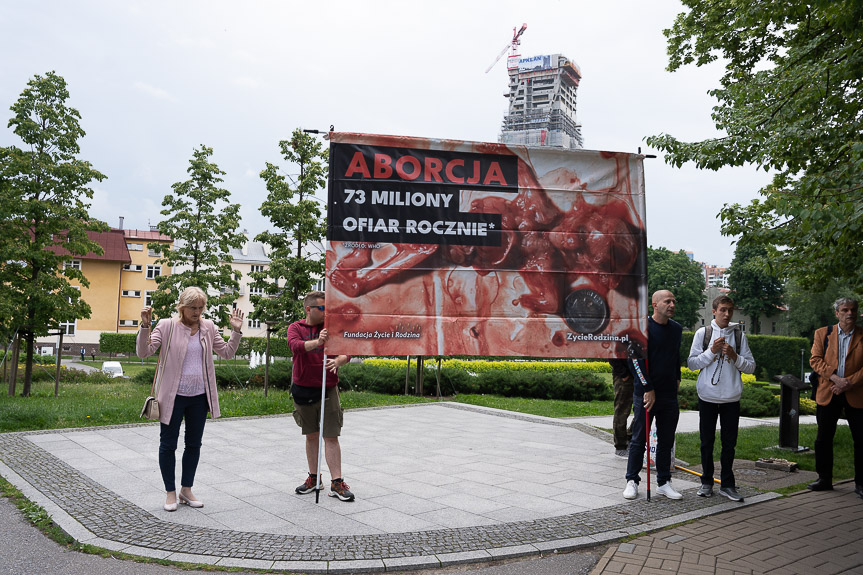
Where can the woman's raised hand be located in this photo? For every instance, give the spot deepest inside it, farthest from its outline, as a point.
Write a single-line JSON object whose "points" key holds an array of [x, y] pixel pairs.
{"points": [[237, 319]]}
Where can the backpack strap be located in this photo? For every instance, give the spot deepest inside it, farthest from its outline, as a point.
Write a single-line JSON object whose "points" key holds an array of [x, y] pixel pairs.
{"points": [[738, 331], [738, 336], [708, 332]]}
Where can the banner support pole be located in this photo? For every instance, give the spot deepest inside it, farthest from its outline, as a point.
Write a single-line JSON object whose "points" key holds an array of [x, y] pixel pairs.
{"points": [[318, 482]]}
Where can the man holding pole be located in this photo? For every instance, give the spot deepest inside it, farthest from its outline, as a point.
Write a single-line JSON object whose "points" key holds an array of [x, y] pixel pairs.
{"points": [[656, 385], [307, 339]]}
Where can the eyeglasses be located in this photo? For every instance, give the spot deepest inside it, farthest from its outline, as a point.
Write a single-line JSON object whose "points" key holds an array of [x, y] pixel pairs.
{"points": [[320, 307]]}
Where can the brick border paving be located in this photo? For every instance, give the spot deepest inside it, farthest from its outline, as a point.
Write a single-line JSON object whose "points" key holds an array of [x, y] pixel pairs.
{"points": [[799, 535], [82, 508]]}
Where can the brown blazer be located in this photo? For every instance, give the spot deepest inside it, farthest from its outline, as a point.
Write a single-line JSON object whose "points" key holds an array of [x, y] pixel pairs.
{"points": [[826, 365]]}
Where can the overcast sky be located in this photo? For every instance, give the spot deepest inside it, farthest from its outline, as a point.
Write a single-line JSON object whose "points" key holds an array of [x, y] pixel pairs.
{"points": [[153, 80]]}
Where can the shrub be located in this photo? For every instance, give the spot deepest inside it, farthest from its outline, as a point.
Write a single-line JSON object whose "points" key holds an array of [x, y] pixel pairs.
{"points": [[755, 402], [378, 378], [280, 375], [807, 406], [546, 380]]}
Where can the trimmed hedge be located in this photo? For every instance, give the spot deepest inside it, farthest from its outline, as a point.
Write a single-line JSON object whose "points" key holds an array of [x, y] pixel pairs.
{"points": [[755, 402], [229, 376], [110, 342], [545, 380], [774, 354]]}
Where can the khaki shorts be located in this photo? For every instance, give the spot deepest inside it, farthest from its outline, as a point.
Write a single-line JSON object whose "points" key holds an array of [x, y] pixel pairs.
{"points": [[308, 417]]}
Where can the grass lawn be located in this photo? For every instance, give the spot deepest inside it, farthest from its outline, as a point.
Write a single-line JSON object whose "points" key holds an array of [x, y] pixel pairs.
{"points": [[120, 401]]}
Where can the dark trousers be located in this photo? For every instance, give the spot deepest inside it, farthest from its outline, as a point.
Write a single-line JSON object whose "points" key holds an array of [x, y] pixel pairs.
{"points": [[729, 420], [664, 415], [828, 416], [194, 410], [623, 389]]}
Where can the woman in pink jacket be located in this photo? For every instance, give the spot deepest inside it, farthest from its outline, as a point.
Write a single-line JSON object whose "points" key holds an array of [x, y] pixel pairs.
{"points": [[187, 388]]}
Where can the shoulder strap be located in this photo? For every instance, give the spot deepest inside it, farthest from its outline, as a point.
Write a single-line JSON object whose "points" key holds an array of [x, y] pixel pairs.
{"points": [[738, 335], [708, 332], [163, 358]]}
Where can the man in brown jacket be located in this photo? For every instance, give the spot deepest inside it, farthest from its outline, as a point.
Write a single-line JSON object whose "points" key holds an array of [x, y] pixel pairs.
{"points": [[840, 386]]}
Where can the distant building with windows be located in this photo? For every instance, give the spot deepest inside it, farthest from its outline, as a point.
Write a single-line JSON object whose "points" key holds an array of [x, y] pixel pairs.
{"points": [[715, 276], [120, 279]]}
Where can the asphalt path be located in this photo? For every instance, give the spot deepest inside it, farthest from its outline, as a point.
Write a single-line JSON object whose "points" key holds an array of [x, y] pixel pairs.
{"points": [[24, 550]]}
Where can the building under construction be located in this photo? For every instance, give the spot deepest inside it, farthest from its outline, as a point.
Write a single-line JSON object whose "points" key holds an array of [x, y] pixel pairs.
{"points": [[542, 97]]}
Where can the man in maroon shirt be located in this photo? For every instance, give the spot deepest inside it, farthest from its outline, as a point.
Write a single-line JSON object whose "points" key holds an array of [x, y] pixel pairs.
{"points": [[307, 339]]}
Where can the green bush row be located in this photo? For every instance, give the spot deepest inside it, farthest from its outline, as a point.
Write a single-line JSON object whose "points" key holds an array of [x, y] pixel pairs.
{"points": [[110, 342], [756, 401], [388, 376], [235, 376]]}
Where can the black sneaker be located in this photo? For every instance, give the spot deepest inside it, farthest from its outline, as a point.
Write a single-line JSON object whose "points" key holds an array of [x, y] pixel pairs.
{"points": [[308, 486], [730, 493], [340, 489]]}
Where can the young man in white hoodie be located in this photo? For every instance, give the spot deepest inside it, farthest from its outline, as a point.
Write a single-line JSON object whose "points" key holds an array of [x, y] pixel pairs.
{"points": [[722, 353]]}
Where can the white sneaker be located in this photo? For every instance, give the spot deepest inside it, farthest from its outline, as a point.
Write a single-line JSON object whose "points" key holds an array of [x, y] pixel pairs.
{"points": [[631, 491], [668, 491]]}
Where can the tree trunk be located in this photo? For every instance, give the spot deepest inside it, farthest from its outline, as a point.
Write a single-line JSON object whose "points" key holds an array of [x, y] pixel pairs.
{"points": [[28, 366], [13, 367]]}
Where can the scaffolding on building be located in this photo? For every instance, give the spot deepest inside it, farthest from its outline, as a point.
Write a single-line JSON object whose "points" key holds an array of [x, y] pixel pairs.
{"points": [[542, 103]]}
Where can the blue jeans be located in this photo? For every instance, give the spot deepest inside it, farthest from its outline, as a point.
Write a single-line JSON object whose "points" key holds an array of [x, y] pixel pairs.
{"points": [[729, 420], [664, 415], [194, 409]]}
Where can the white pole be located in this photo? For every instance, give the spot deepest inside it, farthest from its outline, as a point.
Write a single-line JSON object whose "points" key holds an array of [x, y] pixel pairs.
{"points": [[319, 485]]}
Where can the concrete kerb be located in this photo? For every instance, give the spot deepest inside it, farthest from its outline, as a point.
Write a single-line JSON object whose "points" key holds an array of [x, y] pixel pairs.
{"points": [[507, 549]]}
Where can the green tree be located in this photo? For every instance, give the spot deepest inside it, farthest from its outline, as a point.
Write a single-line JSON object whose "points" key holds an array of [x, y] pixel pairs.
{"points": [[809, 309], [45, 219], [684, 277], [298, 226], [754, 288], [203, 225], [790, 101]]}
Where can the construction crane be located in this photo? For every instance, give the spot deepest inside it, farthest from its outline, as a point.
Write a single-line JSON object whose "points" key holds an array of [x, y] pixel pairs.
{"points": [[512, 46]]}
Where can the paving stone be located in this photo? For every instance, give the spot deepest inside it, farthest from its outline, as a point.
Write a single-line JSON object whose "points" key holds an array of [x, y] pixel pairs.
{"points": [[80, 504]]}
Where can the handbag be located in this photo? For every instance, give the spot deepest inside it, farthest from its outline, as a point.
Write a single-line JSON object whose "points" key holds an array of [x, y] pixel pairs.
{"points": [[151, 404]]}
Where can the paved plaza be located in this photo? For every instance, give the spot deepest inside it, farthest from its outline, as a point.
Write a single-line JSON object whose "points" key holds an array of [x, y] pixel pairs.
{"points": [[436, 484]]}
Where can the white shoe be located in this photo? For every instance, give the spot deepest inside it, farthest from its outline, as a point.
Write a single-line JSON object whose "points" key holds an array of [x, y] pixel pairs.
{"points": [[668, 491], [631, 491]]}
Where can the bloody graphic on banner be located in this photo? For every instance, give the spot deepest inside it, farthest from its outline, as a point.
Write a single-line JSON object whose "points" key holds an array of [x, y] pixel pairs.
{"points": [[444, 247]]}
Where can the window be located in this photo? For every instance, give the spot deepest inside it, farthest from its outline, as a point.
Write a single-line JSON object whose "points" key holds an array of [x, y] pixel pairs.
{"points": [[133, 268], [128, 323], [774, 327], [152, 253], [148, 297], [153, 272], [131, 293], [257, 268], [256, 323], [135, 247], [68, 328], [72, 264], [320, 285], [256, 290]]}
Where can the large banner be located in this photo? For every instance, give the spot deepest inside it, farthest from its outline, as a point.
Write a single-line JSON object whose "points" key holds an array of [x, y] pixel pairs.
{"points": [[443, 247]]}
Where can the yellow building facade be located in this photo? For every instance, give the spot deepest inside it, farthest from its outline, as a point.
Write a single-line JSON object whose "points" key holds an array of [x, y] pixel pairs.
{"points": [[120, 279]]}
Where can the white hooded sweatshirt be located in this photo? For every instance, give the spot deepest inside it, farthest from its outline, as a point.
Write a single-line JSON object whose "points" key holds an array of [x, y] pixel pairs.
{"points": [[726, 386]]}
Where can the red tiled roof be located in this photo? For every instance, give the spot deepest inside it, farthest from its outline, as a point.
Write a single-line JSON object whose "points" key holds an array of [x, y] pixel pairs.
{"points": [[146, 235], [113, 243]]}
